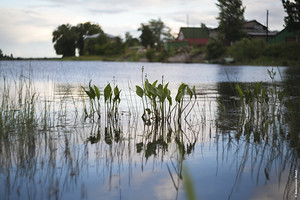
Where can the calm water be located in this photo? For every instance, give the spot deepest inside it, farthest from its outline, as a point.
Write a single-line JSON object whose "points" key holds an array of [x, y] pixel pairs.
{"points": [[75, 158]]}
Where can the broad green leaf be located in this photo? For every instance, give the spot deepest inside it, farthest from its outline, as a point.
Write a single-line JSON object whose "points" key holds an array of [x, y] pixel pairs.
{"points": [[107, 92], [181, 87], [164, 94], [151, 90], [159, 91], [139, 91], [117, 93], [179, 96], [189, 91], [97, 91], [92, 92]]}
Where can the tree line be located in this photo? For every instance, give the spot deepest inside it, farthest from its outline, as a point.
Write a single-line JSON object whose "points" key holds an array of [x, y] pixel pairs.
{"points": [[155, 33], [90, 39], [5, 57]]}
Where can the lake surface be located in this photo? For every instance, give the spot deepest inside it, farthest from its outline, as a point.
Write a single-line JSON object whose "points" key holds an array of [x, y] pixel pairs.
{"points": [[51, 150]]}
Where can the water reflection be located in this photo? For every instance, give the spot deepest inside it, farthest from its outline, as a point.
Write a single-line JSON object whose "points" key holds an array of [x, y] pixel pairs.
{"points": [[60, 154]]}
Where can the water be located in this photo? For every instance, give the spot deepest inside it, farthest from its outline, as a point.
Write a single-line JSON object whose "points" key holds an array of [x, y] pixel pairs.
{"points": [[76, 158]]}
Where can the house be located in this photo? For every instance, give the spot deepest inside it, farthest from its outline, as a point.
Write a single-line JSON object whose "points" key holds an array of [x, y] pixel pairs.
{"points": [[256, 30], [284, 36], [189, 36], [194, 35]]}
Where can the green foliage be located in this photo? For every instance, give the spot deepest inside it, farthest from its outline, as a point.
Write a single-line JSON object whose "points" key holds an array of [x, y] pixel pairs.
{"points": [[159, 98], [84, 29], [92, 92], [247, 50], [156, 96], [107, 93], [147, 37], [111, 100], [67, 38], [214, 49], [258, 52], [130, 41], [231, 20], [139, 91], [260, 109], [292, 21], [154, 34], [64, 39], [150, 54]]}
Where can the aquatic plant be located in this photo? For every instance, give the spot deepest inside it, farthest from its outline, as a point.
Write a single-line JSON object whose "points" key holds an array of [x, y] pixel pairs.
{"points": [[93, 92], [181, 104], [157, 101], [112, 100]]}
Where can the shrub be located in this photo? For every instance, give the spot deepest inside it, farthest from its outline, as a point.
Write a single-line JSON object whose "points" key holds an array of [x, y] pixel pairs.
{"points": [[215, 49], [247, 50], [150, 54]]}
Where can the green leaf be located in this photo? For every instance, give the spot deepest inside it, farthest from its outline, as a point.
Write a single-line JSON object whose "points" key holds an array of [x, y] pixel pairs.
{"points": [[182, 87], [169, 97], [179, 96], [189, 91], [150, 89], [239, 90], [97, 91], [194, 91], [117, 93], [91, 91], [154, 83], [107, 92], [139, 91], [164, 94], [159, 91]]}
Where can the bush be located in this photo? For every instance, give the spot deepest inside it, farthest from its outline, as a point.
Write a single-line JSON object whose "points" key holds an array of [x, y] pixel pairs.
{"points": [[215, 49], [247, 50], [150, 54]]}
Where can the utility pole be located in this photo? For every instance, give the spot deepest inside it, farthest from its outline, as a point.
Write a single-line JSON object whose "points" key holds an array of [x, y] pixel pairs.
{"points": [[267, 31]]}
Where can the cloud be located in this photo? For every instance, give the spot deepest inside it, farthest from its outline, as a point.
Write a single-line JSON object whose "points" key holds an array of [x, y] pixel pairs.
{"points": [[257, 9], [106, 11]]}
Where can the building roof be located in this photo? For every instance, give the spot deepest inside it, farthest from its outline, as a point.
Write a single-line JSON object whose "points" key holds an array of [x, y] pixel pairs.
{"points": [[193, 32]]}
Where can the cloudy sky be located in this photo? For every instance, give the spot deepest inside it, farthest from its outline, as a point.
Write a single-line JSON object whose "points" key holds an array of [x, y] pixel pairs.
{"points": [[26, 26]]}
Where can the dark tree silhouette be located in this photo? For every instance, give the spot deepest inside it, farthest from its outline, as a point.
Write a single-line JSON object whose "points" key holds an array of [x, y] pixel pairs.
{"points": [[231, 20], [64, 39]]}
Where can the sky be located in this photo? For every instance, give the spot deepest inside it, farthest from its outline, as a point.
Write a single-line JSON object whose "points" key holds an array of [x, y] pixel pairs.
{"points": [[26, 26]]}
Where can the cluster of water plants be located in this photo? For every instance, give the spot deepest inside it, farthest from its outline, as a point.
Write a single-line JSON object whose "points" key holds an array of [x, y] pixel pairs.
{"points": [[158, 104], [111, 100]]}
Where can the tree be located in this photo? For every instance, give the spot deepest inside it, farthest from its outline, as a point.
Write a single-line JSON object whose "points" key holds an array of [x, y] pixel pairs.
{"points": [[64, 39], [160, 32], [114, 47], [84, 30], [292, 21], [231, 20], [96, 46], [147, 37], [130, 41], [157, 26]]}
